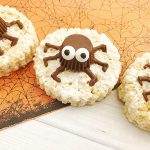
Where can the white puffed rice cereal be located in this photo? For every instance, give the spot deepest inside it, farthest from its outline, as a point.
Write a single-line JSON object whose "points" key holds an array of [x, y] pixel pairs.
{"points": [[23, 51], [74, 87], [134, 92]]}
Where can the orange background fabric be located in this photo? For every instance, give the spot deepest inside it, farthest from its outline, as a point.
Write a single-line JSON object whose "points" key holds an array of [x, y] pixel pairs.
{"points": [[125, 22]]}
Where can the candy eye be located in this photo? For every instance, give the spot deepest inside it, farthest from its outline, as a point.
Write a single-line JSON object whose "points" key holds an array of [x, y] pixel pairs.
{"points": [[82, 54], [68, 52]]}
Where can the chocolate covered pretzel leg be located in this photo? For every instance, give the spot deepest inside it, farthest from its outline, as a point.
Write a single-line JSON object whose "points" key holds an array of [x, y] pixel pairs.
{"points": [[92, 76], [147, 66], [104, 65], [13, 40], [46, 59], [143, 78], [100, 47], [58, 70], [17, 22], [140, 80], [1, 52], [48, 45], [145, 95]]}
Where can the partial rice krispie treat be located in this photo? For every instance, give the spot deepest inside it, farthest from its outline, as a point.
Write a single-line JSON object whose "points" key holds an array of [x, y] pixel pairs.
{"points": [[77, 66], [135, 92], [18, 40]]}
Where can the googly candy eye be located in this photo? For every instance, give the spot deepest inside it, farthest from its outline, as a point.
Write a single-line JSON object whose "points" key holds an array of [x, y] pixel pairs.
{"points": [[82, 54], [68, 52]]}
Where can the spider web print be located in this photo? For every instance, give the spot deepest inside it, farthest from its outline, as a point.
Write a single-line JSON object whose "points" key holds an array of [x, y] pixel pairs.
{"points": [[125, 22]]}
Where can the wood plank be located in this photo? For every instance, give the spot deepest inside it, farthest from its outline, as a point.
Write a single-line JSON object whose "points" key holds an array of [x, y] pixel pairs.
{"points": [[103, 123], [35, 135]]}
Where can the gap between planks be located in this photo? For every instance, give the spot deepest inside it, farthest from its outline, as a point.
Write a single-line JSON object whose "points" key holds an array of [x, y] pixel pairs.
{"points": [[39, 136], [103, 123]]}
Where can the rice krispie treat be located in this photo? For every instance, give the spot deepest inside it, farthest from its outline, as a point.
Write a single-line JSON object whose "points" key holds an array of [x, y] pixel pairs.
{"points": [[18, 40], [135, 92], [77, 66]]}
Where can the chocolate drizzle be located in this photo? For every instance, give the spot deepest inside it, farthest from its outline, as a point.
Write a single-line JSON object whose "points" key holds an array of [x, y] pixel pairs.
{"points": [[147, 79], [3, 32], [76, 41]]}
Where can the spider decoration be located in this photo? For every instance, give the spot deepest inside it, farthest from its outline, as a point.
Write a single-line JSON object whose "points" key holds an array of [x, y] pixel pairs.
{"points": [[76, 54], [3, 32], [147, 79]]}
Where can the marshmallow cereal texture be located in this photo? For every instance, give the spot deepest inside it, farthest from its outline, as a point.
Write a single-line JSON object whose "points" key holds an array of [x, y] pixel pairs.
{"points": [[23, 52], [74, 87], [136, 108]]}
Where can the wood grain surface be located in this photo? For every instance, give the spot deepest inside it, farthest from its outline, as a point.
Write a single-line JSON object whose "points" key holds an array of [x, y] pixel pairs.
{"points": [[126, 23]]}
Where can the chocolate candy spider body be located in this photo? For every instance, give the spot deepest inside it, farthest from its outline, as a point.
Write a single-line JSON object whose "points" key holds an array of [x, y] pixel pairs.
{"points": [[76, 54], [3, 32]]}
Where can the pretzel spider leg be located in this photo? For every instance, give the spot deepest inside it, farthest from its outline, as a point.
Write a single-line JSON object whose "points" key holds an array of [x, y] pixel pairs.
{"points": [[48, 45], [100, 47], [1, 52], [54, 74], [147, 66], [17, 22], [104, 65], [13, 40], [145, 95], [46, 59], [141, 79], [92, 76]]}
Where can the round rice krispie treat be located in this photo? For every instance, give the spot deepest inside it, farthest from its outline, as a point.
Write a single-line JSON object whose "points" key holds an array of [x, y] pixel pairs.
{"points": [[135, 92], [77, 66], [18, 40]]}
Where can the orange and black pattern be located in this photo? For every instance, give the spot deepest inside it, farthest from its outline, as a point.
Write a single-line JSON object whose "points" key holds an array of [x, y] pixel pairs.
{"points": [[126, 23]]}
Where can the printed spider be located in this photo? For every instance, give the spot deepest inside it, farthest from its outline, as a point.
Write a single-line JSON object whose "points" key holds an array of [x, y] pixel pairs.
{"points": [[3, 32], [147, 79], [76, 54]]}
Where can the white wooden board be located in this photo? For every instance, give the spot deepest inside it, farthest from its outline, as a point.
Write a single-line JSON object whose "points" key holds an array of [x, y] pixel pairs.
{"points": [[99, 127], [103, 123], [34, 135]]}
